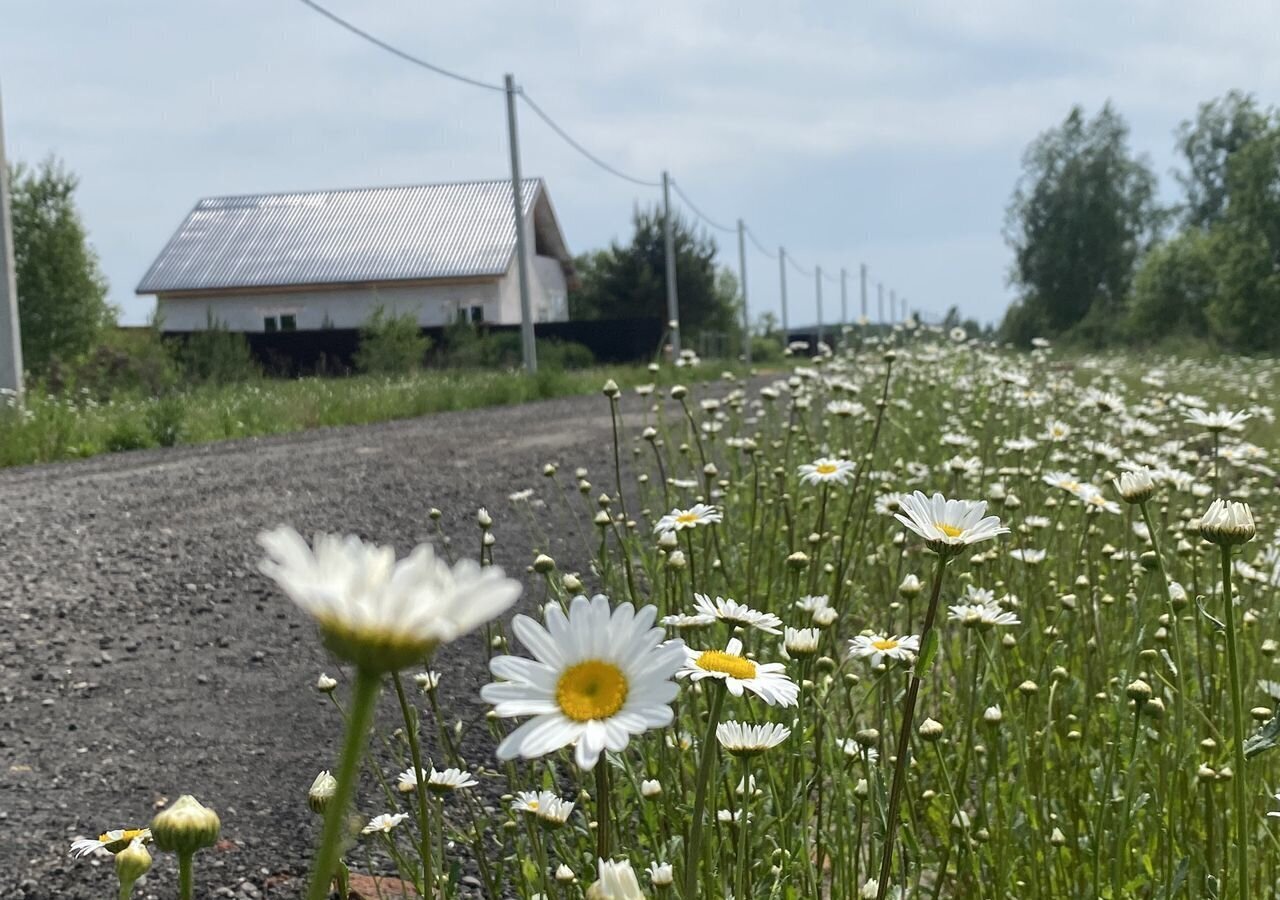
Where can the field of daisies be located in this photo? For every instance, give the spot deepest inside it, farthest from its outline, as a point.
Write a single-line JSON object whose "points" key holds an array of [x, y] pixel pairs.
{"points": [[912, 619]]}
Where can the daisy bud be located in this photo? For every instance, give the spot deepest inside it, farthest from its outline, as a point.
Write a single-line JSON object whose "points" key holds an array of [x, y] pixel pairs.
{"points": [[824, 665], [662, 875], [1154, 708], [650, 788], [1139, 691], [1260, 713], [132, 863], [1209, 745], [679, 392], [930, 730], [610, 389], [867, 737], [322, 790], [797, 560], [1028, 688], [654, 367], [185, 826], [435, 514], [489, 540], [1204, 773], [542, 564], [483, 519], [325, 684], [676, 560], [549, 470], [650, 433], [1268, 648], [668, 541], [1225, 774], [565, 875], [860, 790], [572, 583], [1227, 522], [603, 519], [911, 586], [1057, 838], [1135, 487]]}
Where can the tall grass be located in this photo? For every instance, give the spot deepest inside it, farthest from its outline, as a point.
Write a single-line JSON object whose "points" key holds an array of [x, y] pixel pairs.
{"points": [[52, 427]]}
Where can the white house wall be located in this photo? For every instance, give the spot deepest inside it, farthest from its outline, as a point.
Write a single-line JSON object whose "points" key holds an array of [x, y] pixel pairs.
{"points": [[344, 308]]}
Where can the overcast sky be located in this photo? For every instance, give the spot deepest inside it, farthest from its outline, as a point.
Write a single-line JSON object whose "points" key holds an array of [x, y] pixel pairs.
{"points": [[887, 133]]}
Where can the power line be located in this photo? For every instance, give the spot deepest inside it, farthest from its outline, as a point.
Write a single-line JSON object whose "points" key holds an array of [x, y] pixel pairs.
{"points": [[759, 246], [581, 149], [407, 57], [799, 268], [697, 212]]}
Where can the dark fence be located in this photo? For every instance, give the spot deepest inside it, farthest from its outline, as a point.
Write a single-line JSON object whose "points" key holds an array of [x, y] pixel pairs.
{"points": [[331, 351]]}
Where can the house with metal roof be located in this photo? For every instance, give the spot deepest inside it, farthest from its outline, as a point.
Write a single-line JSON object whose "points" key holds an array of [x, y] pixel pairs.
{"points": [[312, 260]]}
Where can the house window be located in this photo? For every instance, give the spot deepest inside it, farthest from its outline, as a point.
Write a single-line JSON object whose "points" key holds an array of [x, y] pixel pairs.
{"points": [[270, 325], [477, 314], [474, 314], [288, 322]]}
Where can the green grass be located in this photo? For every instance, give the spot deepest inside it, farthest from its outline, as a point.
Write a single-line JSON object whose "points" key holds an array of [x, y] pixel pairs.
{"points": [[53, 428]]}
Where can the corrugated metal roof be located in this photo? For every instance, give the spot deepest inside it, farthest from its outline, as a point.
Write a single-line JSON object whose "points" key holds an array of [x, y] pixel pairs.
{"points": [[343, 236]]}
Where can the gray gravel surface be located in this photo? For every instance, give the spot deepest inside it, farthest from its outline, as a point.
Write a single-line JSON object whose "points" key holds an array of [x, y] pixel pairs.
{"points": [[142, 656]]}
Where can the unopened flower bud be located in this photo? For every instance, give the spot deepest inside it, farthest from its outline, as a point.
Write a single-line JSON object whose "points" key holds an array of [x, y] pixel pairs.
{"points": [[930, 730], [610, 389], [185, 826], [483, 519], [542, 564], [572, 583], [325, 684], [132, 863], [322, 791], [1139, 691]]}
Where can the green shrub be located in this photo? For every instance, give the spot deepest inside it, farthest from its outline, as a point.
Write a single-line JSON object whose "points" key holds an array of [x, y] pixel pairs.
{"points": [[166, 419], [128, 361], [129, 434], [391, 344], [216, 355], [557, 354]]}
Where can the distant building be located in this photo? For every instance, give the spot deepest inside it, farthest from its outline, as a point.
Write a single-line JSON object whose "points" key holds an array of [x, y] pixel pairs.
{"points": [[311, 260]]}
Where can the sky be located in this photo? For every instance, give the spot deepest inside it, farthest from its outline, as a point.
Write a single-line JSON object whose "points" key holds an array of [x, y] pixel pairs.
{"points": [[881, 133]]}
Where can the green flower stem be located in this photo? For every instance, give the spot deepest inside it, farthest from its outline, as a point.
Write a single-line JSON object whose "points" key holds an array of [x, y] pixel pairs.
{"points": [[126, 890], [363, 703], [415, 754], [1240, 794], [602, 807], [693, 858], [741, 889], [904, 733], [186, 883]]}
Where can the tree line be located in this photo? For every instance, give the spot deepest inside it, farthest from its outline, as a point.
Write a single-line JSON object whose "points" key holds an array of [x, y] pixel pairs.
{"points": [[1099, 260]]}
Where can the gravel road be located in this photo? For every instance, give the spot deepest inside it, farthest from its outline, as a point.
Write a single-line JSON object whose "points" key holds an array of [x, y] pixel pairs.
{"points": [[142, 656]]}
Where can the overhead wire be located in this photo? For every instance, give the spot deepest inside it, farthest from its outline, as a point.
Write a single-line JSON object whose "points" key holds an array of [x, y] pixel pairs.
{"points": [[581, 149], [697, 212], [555, 127], [407, 57]]}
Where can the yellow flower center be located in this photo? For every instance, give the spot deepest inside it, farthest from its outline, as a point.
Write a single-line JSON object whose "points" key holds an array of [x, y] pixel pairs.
{"points": [[825, 468], [885, 644], [687, 518], [114, 839], [950, 531], [591, 690], [727, 664]]}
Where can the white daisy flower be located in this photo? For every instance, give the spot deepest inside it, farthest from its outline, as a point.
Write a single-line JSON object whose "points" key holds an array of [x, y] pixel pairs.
{"points": [[544, 806], [378, 613], [111, 841], [1227, 522], [598, 677], [801, 641], [748, 740], [661, 874], [1217, 421], [735, 613], [824, 470], [680, 519], [811, 603], [984, 614], [617, 882], [877, 648], [384, 823], [1028, 555], [1065, 480], [688, 622], [1094, 499], [948, 526], [439, 782], [766, 680]]}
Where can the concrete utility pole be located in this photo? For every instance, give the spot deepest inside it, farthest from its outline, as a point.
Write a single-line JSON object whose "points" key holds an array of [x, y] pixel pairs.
{"points": [[527, 343], [862, 276], [893, 306], [817, 286], [742, 280], [669, 251], [844, 298], [10, 335], [782, 270], [879, 302]]}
